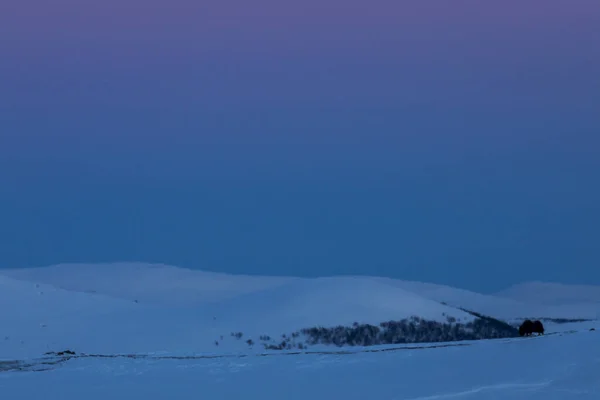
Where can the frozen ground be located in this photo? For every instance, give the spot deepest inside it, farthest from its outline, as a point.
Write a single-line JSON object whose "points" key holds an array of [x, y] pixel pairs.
{"points": [[552, 367], [168, 318]]}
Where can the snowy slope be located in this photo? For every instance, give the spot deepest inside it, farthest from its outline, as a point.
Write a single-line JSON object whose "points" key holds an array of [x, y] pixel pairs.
{"points": [[148, 283], [509, 307], [548, 368], [36, 318], [39, 317], [334, 301], [172, 286], [140, 308]]}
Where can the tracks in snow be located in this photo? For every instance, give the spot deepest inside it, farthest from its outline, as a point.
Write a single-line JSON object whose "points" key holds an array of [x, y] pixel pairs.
{"points": [[491, 388]]}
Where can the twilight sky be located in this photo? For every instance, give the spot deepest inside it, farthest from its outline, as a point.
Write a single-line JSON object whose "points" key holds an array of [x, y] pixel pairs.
{"points": [[454, 142]]}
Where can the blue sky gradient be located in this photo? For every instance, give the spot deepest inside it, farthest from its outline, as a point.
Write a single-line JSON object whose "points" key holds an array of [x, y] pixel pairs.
{"points": [[451, 145]]}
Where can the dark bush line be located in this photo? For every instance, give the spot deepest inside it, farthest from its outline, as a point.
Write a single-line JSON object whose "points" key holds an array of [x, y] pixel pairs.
{"points": [[408, 330], [412, 330]]}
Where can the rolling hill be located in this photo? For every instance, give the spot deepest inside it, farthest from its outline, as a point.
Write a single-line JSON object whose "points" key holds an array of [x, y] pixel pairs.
{"points": [[142, 308]]}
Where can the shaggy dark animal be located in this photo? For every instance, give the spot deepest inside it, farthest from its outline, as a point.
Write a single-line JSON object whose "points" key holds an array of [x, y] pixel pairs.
{"points": [[529, 327], [526, 328], [537, 327]]}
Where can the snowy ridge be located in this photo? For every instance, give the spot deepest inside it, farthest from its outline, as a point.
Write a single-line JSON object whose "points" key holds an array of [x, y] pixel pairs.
{"points": [[140, 308], [148, 283], [526, 304]]}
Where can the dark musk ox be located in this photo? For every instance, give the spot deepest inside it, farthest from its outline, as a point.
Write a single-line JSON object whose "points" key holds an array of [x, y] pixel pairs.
{"points": [[526, 328], [529, 327], [538, 327]]}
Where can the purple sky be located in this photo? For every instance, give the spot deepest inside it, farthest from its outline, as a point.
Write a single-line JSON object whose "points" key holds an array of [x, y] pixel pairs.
{"points": [[469, 101], [315, 53]]}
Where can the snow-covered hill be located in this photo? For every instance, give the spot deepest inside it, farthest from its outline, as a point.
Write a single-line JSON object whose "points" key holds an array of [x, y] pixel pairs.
{"points": [[334, 301], [99, 314], [528, 303], [165, 285], [148, 283], [140, 308]]}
